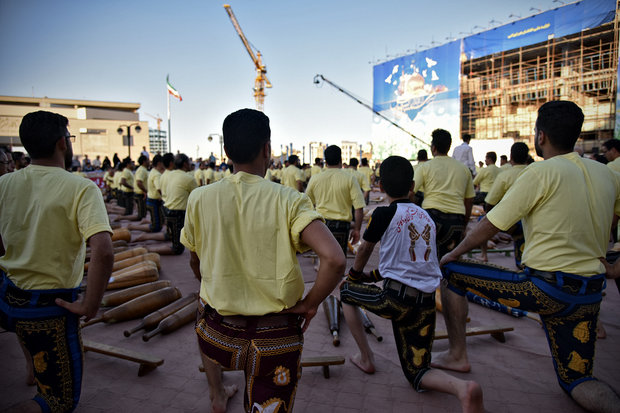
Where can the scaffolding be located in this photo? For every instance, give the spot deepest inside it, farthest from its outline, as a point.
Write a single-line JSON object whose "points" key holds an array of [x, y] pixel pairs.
{"points": [[501, 93]]}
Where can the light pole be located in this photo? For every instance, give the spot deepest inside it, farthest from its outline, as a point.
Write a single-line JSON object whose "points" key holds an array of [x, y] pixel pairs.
{"points": [[210, 139], [137, 128]]}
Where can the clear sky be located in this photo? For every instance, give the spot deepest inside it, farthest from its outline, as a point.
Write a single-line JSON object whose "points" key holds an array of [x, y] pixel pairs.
{"points": [[122, 50]]}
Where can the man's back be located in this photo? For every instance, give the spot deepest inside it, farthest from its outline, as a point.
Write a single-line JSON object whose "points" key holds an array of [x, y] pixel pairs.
{"points": [[334, 191], [178, 185], [445, 183], [567, 204], [253, 270], [290, 175], [44, 208], [486, 177]]}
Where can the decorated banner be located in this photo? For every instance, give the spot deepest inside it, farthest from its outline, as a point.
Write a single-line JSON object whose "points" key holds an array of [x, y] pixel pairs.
{"points": [[419, 92]]}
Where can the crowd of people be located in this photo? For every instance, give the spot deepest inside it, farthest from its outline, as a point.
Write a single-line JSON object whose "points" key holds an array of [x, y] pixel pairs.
{"points": [[245, 222]]}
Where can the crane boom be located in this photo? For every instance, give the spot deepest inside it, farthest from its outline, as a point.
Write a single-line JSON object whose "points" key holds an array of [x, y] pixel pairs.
{"points": [[319, 78], [261, 81]]}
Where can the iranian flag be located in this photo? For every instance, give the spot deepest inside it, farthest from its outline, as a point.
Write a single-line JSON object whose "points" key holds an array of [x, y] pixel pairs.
{"points": [[172, 90]]}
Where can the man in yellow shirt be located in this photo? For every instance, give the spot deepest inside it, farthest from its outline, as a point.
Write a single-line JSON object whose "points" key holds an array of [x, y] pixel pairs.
{"points": [[365, 169], [448, 192], [611, 150], [126, 184], [140, 189], [317, 167], [118, 194], [503, 163], [418, 197], [154, 204], [46, 218], [334, 192], [485, 178], [361, 178], [251, 281], [566, 204], [292, 176]]}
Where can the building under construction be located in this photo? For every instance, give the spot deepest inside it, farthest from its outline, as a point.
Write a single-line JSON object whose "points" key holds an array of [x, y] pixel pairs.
{"points": [[491, 84], [501, 92]]}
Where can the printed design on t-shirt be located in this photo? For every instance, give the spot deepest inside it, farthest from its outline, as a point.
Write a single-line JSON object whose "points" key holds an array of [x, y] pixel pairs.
{"points": [[426, 236], [413, 235], [270, 406]]}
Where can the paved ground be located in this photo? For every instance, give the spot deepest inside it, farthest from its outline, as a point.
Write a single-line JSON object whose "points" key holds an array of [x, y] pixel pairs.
{"points": [[516, 376]]}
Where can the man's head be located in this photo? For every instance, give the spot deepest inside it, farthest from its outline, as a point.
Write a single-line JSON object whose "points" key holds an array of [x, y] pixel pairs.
{"points": [[354, 162], [181, 161], [318, 161], [246, 132], [611, 149], [365, 162], [441, 141], [40, 132], [396, 176], [333, 155], [143, 161], [293, 160], [20, 160], [129, 163], [157, 159], [168, 160], [466, 137], [519, 153], [560, 121], [490, 158], [503, 159], [422, 155]]}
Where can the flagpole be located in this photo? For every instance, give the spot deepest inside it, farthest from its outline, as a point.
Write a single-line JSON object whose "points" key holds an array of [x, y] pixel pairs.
{"points": [[169, 137]]}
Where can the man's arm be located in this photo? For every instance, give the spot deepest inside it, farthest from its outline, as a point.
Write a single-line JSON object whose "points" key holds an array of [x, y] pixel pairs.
{"points": [[363, 255], [477, 236], [125, 184], [469, 203], [99, 270], [355, 232], [142, 187], [331, 269], [194, 263]]}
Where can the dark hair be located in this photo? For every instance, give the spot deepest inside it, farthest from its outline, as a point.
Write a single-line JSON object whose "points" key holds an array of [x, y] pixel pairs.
{"points": [[17, 155], [333, 155], [492, 156], [354, 162], [167, 159], [503, 157], [157, 159], [317, 160], [466, 137], [180, 160], [396, 176], [365, 162], [245, 132], [561, 120], [519, 153], [39, 132], [141, 159], [422, 155], [441, 140], [292, 160], [612, 144]]}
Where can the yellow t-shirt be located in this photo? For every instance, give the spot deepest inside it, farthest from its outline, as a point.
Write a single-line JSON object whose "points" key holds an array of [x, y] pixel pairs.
{"points": [[198, 173], [128, 176], [269, 175], [108, 179], [218, 175], [615, 164], [566, 205], [178, 186], [307, 174], [366, 171], [163, 180], [47, 215], [153, 184], [208, 176], [486, 177], [248, 265], [361, 179], [142, 175], [502, 183], [116, 181], [505, 167], [290, 175], [315, 170], [446, 183], [333, 192]]}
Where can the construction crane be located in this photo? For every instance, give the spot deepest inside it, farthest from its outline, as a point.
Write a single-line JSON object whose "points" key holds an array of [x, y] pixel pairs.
{"points": [[320, 78], [157, 118], [261, 81]]}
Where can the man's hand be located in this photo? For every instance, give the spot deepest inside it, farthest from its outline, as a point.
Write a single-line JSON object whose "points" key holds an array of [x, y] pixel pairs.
{"points": [[612, 271], [78, 307], [355, 236], [305, 310], [449, 257]]}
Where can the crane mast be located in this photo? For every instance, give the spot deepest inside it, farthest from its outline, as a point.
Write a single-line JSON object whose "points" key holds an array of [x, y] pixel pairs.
{"points": [[261, 82]]}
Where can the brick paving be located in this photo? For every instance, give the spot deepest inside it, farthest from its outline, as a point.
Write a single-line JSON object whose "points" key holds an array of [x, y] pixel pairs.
{"points": [[516, 376]]}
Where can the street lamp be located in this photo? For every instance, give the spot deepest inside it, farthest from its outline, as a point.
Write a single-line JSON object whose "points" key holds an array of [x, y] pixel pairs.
{"points": [[137, 128], [210, 139]]}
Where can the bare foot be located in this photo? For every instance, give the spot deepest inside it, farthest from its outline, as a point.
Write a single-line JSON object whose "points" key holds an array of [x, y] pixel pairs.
{"points": [[446, 361], [483, 258], [367, 366], [219, 402], [471, 399]]}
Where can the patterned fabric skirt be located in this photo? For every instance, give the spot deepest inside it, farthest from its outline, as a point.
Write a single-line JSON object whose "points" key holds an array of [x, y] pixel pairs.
{"points": [[52, 337], [268, 349], [450, 230], [340, 231], [175, 220]]}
